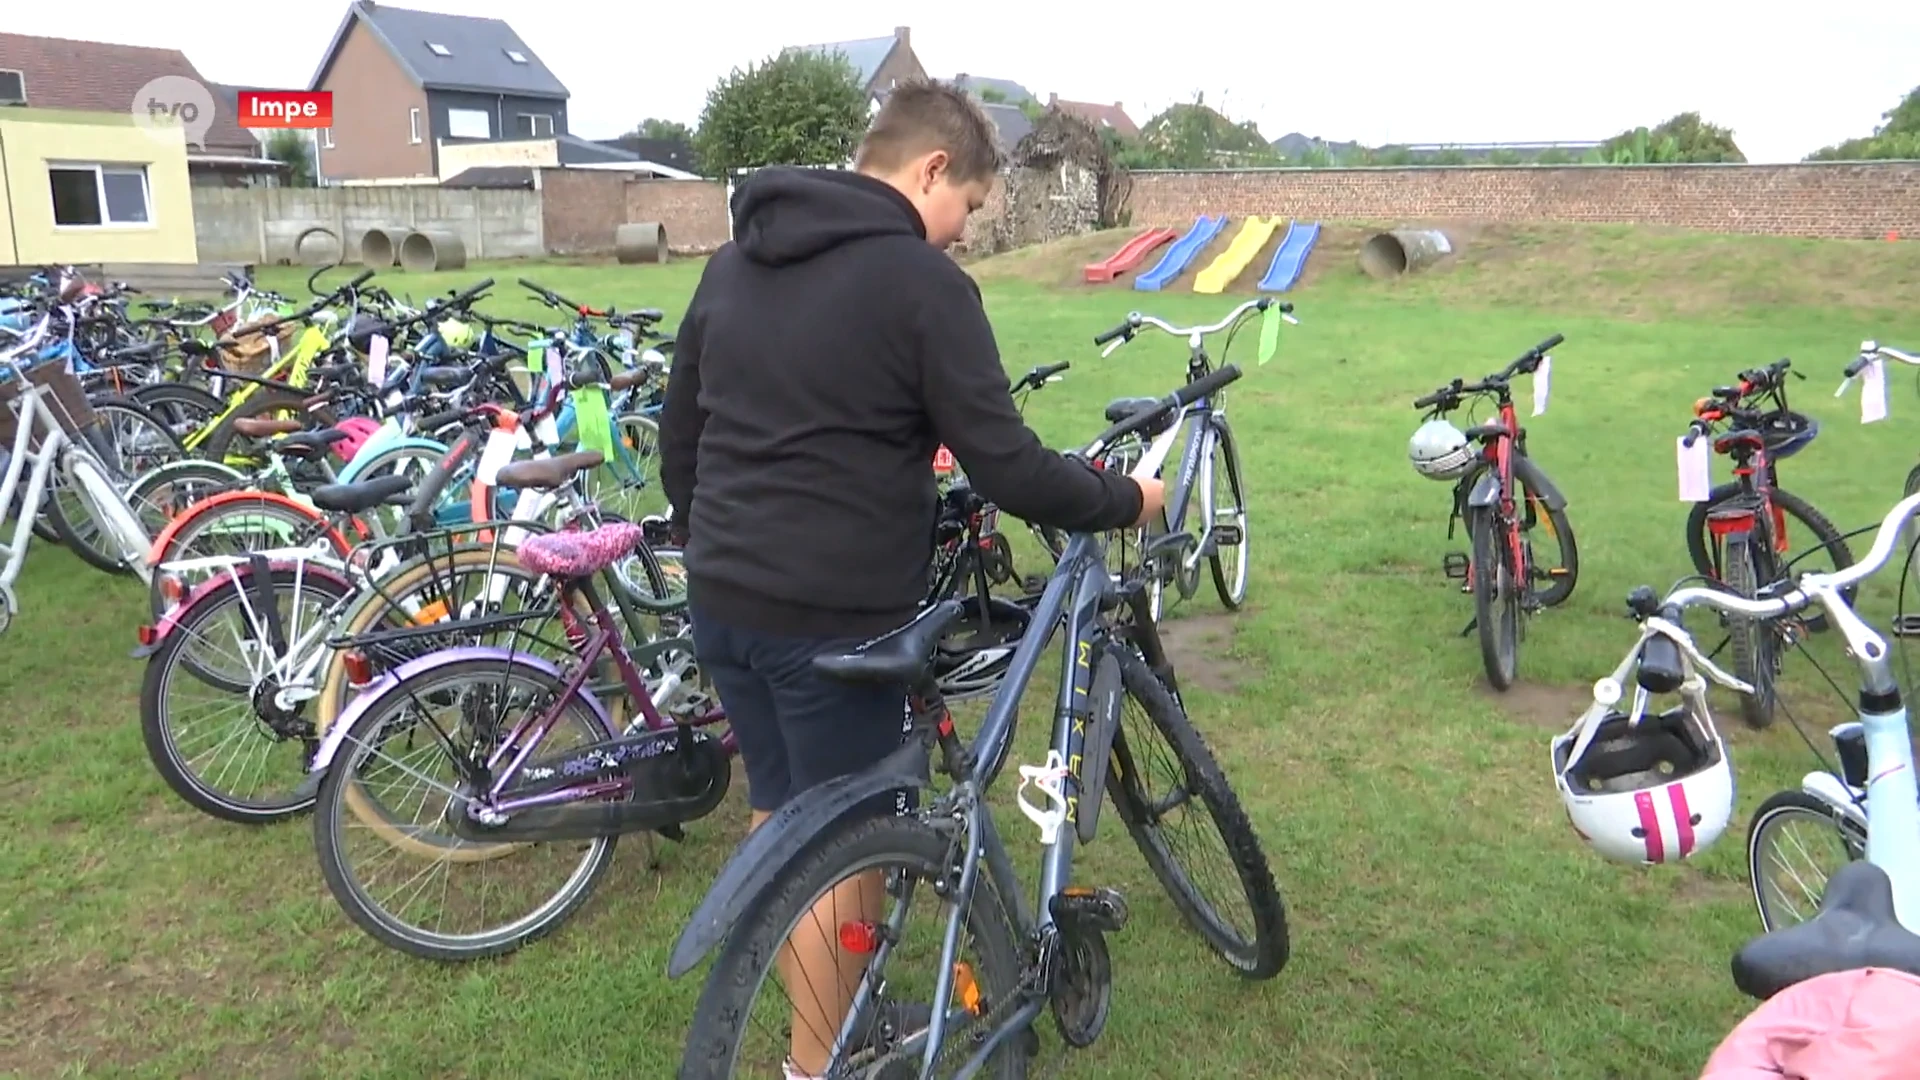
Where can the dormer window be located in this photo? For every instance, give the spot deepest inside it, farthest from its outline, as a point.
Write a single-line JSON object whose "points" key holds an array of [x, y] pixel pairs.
{"points": [[439, 49], [516, 56]]}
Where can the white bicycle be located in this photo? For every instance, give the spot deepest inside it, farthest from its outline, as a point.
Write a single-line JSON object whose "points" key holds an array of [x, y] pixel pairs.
{"points": [[48, 424]]}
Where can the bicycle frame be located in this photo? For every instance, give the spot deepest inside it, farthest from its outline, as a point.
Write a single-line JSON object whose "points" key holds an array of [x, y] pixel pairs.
{"points": [[1754, 472]]}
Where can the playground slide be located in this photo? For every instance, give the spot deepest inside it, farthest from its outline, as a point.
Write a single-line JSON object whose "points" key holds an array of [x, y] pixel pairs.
{"points": [[1291, 258], [1129, 255], [1246, 245], [1183, 251]]}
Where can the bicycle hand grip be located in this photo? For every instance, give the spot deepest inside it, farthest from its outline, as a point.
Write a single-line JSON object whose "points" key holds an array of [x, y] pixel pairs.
{"points": [[362, 279], [1552, 342], [1206, 385], [1048, 372], [1108, 335], [1661, 667], [1859, 365], [440, 420], [473, 292]]}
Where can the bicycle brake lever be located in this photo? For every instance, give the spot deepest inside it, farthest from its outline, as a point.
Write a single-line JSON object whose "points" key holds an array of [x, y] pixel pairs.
{"points": [[1108, 351], [1844, 383], [1285, 317]]}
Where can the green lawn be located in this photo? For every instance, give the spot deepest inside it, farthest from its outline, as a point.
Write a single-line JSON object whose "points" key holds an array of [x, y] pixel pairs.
{"points": [[1446, 922]]}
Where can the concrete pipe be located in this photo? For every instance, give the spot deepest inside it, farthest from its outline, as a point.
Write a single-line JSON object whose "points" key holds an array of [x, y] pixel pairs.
{"points": [[380, 246], [640, 242], [328, 252], [421, 252], [1402, 251]]}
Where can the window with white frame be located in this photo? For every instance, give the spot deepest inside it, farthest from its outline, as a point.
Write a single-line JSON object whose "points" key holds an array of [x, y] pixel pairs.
{"points": [[439, 49], [516, 56], [90, 196], [413, 125], [469, 124], [536, 125]]}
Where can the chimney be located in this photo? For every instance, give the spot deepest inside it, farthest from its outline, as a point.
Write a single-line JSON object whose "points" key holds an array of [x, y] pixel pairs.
{"points": [[1119, 106], [903, 35], [1053, 99]]}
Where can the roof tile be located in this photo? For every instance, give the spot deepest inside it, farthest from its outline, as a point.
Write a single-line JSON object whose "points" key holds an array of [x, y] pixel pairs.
{"points": [[97, 76]]}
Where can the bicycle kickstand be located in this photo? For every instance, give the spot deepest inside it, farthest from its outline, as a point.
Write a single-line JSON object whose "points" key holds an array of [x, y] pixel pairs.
{"points": [[1472, 625]]}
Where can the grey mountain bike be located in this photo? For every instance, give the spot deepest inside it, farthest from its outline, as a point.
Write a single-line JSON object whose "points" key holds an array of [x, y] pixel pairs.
{"points": [[963, 1002]]}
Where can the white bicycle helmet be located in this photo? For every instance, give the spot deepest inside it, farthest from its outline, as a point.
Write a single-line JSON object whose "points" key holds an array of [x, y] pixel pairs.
{"points": [[1440, 451], [1659, 791]]}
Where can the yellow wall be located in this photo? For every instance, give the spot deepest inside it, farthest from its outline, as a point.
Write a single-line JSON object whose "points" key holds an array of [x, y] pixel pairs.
{"points": [[30, 138]]}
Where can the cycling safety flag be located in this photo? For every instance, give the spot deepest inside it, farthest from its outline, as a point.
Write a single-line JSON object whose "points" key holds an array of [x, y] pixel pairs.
{"points": [[590, 413], [1270, 333]]}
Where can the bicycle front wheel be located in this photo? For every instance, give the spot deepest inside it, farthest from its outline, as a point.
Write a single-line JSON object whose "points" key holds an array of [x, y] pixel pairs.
{"points": [[858, 879], [1245, 924], [1794, 845], [1227, 502], [1496, 599]]}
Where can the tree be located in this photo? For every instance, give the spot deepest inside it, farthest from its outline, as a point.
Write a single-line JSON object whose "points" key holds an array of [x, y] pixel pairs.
{"points": [[1194, 136], [1684, 138], [664, 130], [1897, 136], [797, 108], [295, 151]]}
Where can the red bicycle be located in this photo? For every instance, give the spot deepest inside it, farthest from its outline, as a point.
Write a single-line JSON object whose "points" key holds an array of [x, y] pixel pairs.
{"points": [[1505, 500]]}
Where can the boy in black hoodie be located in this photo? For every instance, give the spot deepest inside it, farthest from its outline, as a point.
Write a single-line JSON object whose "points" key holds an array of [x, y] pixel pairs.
{"points": [[826, 353]]}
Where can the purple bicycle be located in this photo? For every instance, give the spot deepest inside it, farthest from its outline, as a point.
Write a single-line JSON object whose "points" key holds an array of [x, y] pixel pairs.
{"points": [[473, 795]]}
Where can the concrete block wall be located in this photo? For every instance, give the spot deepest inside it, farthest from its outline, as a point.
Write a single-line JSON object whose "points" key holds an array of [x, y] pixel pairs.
{"points": [[584, 206], [260, 225]]}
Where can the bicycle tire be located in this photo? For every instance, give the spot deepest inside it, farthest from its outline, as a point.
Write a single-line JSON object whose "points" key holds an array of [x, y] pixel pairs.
{"points": [[178, 403], [1232, 588], [1499, 646], [219, 441], [197, 476], [157, 733], [1750, 640], [1776, 808], [754, 944], [330, 811], [1271, 947], [1562, 586], [179, 546], [86, 538], [1699, 538]]}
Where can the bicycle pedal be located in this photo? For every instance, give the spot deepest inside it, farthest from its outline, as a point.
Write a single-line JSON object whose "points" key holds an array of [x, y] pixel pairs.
{"points": [[1226, 535], [1101, 908], [1454, 565]]}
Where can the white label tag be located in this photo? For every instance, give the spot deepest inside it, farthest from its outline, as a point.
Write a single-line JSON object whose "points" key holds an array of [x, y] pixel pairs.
{"points": [[1542, 385], [548, 431], [1873, 392], [1696, 468], [521, 439], [377, 360], [495, 456]]}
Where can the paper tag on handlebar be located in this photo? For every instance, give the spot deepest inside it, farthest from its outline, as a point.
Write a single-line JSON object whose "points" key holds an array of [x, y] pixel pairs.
{"points": [[1542, 385], [1696, 468], [1270, 333], [1873, 391], [595, 430], [497, 453], [537, 357], [377, 359]]}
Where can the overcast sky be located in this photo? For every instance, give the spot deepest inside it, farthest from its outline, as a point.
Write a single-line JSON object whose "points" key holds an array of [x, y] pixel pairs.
{"points": [[1787, 79]]}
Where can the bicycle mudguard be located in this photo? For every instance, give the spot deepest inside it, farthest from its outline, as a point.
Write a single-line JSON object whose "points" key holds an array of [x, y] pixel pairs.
{"points": [[225, 580], [364, 700], [380, 443], [164, 539], [769, 850], [1486, 487]]}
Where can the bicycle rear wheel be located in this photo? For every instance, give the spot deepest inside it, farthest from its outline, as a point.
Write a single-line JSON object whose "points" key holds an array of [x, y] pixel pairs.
{"points": [[1256, 945], [1496, 599], [1756, 651]]}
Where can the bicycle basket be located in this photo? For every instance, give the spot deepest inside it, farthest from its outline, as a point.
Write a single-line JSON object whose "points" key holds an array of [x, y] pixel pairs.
{"points": [[252, 355], [68, 402], [1786, 433]]}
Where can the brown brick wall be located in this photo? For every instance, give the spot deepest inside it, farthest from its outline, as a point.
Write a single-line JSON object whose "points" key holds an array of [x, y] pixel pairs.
{"points": [[1855, 200], [372, 131], [580, 208]]}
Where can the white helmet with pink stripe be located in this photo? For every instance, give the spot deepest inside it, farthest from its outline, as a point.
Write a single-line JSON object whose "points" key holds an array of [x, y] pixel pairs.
{"points": [[1658, 790]]}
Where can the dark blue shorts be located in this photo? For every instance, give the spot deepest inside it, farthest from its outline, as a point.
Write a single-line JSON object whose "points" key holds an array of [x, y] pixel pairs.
{"points": [[797, 729]]}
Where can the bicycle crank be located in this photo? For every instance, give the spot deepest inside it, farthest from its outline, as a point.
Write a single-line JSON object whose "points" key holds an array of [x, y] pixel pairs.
{"points": [[1081, 986]]}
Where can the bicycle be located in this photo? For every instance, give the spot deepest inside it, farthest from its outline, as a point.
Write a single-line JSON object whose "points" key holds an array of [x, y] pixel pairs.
{"points": [[1208, 451], [662, 771], [49, 426], [1502, 496], [1871, 364], [1055, 955], [1868, 905], [1747, 526]]}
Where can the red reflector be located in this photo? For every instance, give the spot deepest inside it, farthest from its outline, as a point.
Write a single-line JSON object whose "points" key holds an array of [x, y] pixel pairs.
{"points": [[149, 635], [945, 726], [172, 589], [859, 937], [943, 460], [359, 668]]}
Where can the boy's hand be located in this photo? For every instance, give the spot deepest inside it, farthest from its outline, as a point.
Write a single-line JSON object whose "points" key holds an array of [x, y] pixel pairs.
{"points": [[1153, 499]]}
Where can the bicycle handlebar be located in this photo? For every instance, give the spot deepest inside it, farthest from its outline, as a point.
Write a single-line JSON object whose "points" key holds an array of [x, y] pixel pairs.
{"points": [[1526, 362], [1135, 320], [1186, 395], [1873, 350]]}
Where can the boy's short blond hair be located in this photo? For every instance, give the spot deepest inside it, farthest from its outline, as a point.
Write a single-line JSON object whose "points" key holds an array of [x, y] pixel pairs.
{"points": [[923, 115]]}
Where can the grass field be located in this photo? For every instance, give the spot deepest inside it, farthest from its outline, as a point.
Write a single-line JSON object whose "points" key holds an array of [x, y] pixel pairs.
{"points": [[1446, 922]]}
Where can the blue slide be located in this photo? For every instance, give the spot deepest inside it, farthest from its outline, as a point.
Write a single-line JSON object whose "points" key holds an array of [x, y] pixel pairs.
{"points": [[1183, 251], [1291, 258]]}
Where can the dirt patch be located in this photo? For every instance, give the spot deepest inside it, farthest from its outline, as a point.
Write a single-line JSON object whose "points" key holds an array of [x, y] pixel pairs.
{"points": [[1201, 648], [1536, 705]]}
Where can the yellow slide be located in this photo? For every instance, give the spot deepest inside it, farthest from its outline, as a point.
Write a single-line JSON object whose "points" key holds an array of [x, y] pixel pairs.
{"points": [[1253, 236]]}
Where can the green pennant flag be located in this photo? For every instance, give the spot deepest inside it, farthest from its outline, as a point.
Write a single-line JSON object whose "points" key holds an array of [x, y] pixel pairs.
{"points": [[537, 357], [595, 430], [1270, 333]]}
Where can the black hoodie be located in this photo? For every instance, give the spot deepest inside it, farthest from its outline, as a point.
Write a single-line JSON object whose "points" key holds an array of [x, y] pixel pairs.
{"points": [[826, 354]]}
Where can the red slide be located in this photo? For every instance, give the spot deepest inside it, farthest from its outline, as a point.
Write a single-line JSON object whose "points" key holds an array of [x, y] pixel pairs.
{"points": [[1129, 255]]}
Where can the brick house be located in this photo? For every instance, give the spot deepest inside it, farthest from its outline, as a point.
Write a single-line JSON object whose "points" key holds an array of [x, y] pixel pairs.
{"points": [[1112, 117], [880, 62], [95, 76], [403, 81]]}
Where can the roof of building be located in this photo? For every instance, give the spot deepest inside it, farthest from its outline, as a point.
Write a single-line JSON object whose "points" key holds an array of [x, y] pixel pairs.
{"points": [[1008, 91], [96, 76], [449, 52], [1011, 124], [865, 54], [1100, 116], [491, 176]]}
